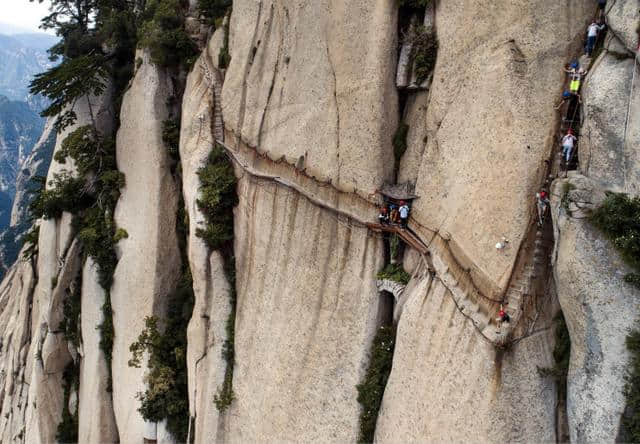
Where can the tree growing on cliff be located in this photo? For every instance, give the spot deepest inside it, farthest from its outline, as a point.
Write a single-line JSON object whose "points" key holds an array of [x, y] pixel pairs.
{"points": [[213, 10], [97, 40], [162, 32]]}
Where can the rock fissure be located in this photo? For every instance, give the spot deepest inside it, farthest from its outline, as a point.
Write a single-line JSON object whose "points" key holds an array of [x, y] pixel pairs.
{"points": [[247, 70], [337, 108], [273, 78]]}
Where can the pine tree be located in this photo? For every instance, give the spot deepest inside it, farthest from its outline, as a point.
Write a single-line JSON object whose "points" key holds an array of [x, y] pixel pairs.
{"points": [[97, 41]]}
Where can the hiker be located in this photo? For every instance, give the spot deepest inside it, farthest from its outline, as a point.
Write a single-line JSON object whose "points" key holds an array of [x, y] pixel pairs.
{"points": [[592, 36], [383, 217], [568, 142], [566, 95], [542, 203], [572, 68], [503, 316], [394, 213], [575, 80], [404, 213]]}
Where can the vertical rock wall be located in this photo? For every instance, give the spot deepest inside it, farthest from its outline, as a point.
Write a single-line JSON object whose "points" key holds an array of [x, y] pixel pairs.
{"points": [[206, 333], [448, 383], [149, 259], [16, 296], [95, 407], [307, 306], [313, 81], [600, 308], [37, 351]]}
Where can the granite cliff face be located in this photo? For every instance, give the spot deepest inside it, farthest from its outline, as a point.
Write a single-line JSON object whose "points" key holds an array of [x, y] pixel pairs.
{"points": [[306, 113], [599, 306]]}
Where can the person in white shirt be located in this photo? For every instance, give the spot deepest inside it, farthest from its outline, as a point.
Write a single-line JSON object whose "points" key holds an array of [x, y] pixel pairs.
{"points": [[568, 142], [592, 35], [404, 213]]}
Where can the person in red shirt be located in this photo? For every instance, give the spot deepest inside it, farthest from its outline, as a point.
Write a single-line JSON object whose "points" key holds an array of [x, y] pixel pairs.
{"points": [[542, 204], [383, 217], [503, 316]]}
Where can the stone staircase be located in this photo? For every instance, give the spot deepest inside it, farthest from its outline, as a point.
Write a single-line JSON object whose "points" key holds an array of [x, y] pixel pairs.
{"points": [[530, 282], [215, 78], [218, 123]]}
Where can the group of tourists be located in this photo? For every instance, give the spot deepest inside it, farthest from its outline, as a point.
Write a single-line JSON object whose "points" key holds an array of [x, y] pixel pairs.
{"points": [[571, 97], [392, 214], [397, 212]]}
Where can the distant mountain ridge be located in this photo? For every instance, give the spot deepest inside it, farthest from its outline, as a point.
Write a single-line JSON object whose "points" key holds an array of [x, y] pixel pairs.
{"points": [[21, 57], [20, 129]]}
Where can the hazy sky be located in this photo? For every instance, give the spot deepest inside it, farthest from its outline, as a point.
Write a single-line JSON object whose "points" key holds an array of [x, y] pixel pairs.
{"points": [[23, 13]]}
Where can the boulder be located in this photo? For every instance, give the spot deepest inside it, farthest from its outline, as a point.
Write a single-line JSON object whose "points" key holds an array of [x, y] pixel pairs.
{"points": [[599, 308], [605, 153], [623, 18]]}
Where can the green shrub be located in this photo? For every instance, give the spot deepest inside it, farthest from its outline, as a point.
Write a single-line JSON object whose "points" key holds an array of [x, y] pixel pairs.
{"points": [[225, 395], [66, 193], [107, 335], [224, 57], [213, 10], [425, 53], [630, 423], [71, 312], [162, 33], [67, 430], [371, 390], [166, 396], [217, 199], [394, 272], [619, 219], [97, 232], [171, 137], [92, 198], [633, 279], [394, 246], [31, 242], [400, 142], [561, 355]]}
